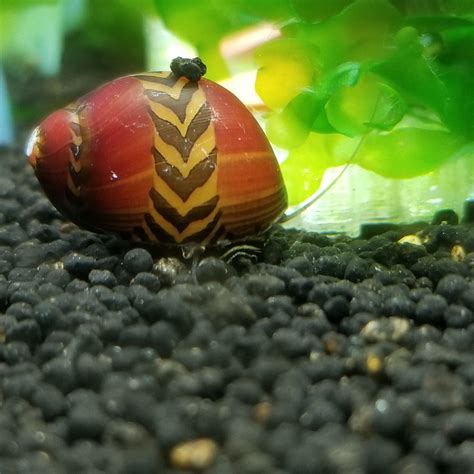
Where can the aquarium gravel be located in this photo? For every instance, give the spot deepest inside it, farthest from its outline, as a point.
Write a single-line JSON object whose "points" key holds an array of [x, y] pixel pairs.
{"points": [[325, 355]]}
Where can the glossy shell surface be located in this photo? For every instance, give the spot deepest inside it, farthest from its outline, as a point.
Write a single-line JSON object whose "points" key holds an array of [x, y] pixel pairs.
{"points": [[160, 158]]}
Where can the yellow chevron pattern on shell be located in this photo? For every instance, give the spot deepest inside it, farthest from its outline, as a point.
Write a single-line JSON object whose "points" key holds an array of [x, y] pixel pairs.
{"points": [[183, 202]]}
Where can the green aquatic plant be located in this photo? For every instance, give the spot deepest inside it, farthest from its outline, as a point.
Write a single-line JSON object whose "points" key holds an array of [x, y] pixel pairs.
{"points": [[424, 105], [392, 78]]}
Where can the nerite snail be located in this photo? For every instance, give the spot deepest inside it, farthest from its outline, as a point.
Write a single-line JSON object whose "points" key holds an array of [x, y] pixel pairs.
{"points": [[167, 157]]}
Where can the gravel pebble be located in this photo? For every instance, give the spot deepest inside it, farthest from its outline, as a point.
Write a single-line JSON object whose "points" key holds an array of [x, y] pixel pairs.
{"points": [[137, 261], [50, 401], [458, 316], [386, 329], [194, 455], [451, 287], [79, 265], [102, 277], [27, 331], [212, 269], [147, 280], [430, 310], [264, 286], [86, 420]]}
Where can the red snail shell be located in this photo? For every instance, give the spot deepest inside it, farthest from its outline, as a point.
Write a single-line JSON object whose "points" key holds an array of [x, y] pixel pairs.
{"points": [[160, 157]]}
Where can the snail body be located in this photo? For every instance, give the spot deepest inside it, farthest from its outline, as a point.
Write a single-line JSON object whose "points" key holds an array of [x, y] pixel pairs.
{"points": [[160, 157]]}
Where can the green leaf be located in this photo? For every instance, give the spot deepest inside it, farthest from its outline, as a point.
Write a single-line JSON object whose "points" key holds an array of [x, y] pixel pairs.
{"points": [[359, 32], [322, 124], [145, 7], [287, 66], [434, 8], [459, 115], [305, 166], [414, 74], [311, 10], [438, 22], [389, 108], [302, 173], [344, 75], [290, 128], [369, 103], [407, 152], [457, 45], [18, 4]]}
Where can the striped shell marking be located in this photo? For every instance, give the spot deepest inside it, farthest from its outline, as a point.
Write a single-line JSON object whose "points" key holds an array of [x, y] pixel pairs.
{"points": [[160, 158], [184, 202]]}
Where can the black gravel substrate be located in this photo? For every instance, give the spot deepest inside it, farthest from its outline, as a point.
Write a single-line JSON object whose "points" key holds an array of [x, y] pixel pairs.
{"points": [[325, 356]]}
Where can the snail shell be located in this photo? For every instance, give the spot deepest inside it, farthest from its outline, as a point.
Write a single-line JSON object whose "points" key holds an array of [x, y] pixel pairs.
{"points": [[156, 157]]}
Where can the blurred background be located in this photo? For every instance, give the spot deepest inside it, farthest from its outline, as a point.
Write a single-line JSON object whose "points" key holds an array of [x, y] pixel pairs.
{"points": [[371, 99]]}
